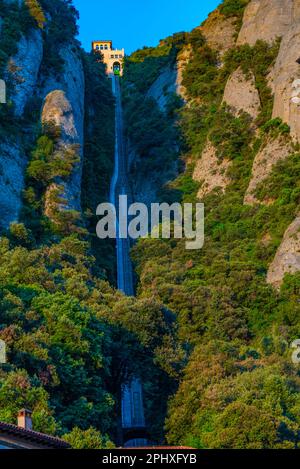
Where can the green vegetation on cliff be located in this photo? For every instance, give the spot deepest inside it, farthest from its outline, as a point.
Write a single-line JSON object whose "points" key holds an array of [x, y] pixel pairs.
{"points": [[208, 336], [240, 388], [72, 340]]}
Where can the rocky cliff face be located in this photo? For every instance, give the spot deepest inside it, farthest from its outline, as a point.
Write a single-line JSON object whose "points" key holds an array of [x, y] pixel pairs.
{"points": [[219, 31], [270, 153], [12, 169], [244, 92], [64, 105], [241, 94], [22, 72], [62, 95], [164, 86], [287, 259], [267, 20], [23, 69], [264, 20]]}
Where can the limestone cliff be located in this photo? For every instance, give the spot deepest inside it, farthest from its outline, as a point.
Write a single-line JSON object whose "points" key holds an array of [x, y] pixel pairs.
{"points": [[241, 94], [264, 20], [12, 169], [267, 20], [270, 153], [286, 75], [64, 105], [22, 73], [32, 77], [210, 172], [287, 259], [23, 69], [219, 31]]}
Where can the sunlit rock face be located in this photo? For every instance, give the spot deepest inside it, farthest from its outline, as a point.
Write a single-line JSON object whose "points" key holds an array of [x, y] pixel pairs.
{"points": [[64, 105], [210, 172], [22, 73], [271, 152], [58, 110], [286, 81], [287, 259], [163, 87], [219, 32], [241, 94], [267, 20]]}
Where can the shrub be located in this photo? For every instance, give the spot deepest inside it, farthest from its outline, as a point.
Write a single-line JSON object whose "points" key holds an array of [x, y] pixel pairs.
{"points": [[36, 12]]}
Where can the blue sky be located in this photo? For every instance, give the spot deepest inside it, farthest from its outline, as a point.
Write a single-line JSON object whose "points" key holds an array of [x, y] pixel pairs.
{"points": [[136, 23]]}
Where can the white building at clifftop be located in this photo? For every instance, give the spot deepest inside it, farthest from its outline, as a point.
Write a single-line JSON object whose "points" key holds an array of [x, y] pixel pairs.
{"points": [[113, 58]]}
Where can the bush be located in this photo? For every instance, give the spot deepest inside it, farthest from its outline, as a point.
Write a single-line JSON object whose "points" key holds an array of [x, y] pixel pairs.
{"points": [[88, 439], [36, 12]]}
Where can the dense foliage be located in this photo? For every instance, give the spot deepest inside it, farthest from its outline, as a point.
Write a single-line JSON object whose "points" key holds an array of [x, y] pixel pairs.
{"points": [[208, 337], [71, 339], [240, 388], [98, 159]]}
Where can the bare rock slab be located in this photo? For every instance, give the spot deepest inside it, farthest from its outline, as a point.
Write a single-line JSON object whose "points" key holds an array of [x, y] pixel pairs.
{"points": [[287, 258]]}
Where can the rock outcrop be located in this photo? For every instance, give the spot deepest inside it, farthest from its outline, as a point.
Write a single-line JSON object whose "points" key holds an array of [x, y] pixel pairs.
{"points": [[164, 87], [170, 80], [22, 72], [211, 172], [287, 259], [182, 61], [267, 20], [286, 79], [241, 94], [64, 105], [12, 168], [271, 153], [23, 69], [219, 31]]}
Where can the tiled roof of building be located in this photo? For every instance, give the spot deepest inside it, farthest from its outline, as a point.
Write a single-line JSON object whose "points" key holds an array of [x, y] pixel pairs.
{"points": [[33, 436]]}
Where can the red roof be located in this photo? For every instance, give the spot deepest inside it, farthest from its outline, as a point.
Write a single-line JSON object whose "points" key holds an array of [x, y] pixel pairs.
{"points": [[161, 447], [33, 436]]}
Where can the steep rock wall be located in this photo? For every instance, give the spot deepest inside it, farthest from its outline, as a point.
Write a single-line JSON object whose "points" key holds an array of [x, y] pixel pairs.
{"points": [[219, 31], [211, 172], [22, 72], [169, 82], [12, 167], [241, 95], [23, 69], [287, 259], [271, 153], [163, 87], [64, 105], [182, 61], [267, 20], [285, 85]]}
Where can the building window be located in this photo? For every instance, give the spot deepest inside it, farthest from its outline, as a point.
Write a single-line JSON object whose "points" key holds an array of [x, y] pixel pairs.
{"points": [[105, 47], [97, 47], [112, 56], [101, 47]]}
